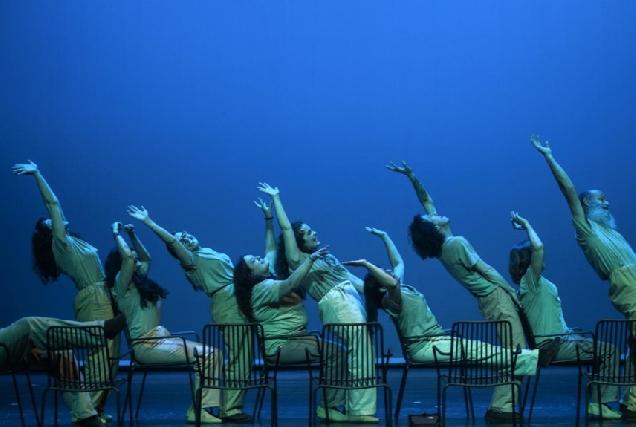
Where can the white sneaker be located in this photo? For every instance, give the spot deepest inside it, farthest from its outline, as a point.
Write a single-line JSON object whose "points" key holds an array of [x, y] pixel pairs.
{"points": [[105, 418], [362, 419], [206, 418], [606, 412], [334, 415]]}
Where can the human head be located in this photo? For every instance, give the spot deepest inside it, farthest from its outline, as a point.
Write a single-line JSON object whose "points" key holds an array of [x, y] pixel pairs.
{"points": [[302, 233], [248, 272], [186, 239], [597, 208], [42, 247], [373, 294], [519, 260], [426, 236]]}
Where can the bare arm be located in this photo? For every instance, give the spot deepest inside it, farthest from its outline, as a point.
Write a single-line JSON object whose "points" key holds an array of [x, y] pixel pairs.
{"points": [[295, 279], [422, 195], [520, 223], [397, 263], [127, 258], [270, 238], [292, 251], [385, 279], [563, 180], [51, 202], [142, 215], [142, 252]]}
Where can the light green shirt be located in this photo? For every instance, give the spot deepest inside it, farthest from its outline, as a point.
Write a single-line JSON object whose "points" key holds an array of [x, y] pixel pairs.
{"points": [[325, 274], [605, 249], [209, 270], [459, 259], [541, 302], [412, 315], [78, 260], [278, 316], [140, 320]]}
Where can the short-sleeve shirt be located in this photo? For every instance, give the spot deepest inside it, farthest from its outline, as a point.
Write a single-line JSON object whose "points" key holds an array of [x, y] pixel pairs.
{"points": [[605, 248], [540, 300], [78, 260], [324, 275], [459, 258], [277, 316], [209, 270], [140, 320], [412, 316]]}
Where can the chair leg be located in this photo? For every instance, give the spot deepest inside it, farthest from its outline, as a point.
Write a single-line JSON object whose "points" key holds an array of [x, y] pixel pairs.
{"points": [[35, 408], [43, 407], [534, 393], [398, 404], [141, 394], [19, 400]]}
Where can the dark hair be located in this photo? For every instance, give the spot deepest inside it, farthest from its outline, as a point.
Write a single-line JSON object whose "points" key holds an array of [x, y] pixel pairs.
{"points": [[281, 266], [149, 290], [244, 282], [425, 238], [372, 297], [44, 264], [519, 260]]}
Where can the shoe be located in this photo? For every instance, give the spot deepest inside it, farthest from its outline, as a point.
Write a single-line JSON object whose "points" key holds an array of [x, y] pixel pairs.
{"points": [[606, 412], [493, 416], [206, 418], [366, 419], [626, 413], [106, 418], [114, 326], [93, 421], [334, 415], [548, 351], [237, 418]]}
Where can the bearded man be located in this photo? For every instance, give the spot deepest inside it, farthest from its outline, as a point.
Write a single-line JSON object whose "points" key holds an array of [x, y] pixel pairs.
{"points": [[605, 248]]}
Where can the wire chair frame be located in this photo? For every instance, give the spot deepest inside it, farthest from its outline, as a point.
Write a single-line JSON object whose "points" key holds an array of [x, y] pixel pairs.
{"points": [[473, 364], [13, 369], [362, 344], [214, 372], [80, 362]]}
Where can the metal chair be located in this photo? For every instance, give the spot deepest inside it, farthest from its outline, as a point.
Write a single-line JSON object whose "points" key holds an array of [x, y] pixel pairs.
{"points": [[80, 362], [13, 369], [473, 364], [214, 372], [612, 359], [135, 365], [362, 345]]}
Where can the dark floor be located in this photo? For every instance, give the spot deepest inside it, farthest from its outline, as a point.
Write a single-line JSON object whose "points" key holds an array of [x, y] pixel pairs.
{"points": [[166, 399]]}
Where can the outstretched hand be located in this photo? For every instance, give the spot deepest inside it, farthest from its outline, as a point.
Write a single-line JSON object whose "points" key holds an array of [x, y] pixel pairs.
{"points": [[116, 228], [266, 208], [356, 263], [542, 148], [375, 231], [320, 253], [25, 168], [518, 222], [268, 189], [137, 213], [405, 169], [130, 229]]}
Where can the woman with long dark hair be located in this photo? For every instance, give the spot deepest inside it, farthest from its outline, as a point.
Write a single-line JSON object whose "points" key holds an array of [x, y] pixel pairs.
{"points": [[57, 251], [140, 298]]}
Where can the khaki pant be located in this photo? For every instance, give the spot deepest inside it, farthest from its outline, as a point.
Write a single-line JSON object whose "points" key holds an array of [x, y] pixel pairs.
{"points": [[499, 306], [342, 304], [30, 332], [172, 350], [224, 309]]}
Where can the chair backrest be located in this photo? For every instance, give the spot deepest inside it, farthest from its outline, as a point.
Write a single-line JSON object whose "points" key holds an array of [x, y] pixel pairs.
{"points": [[236, 341], [477, 357], [614, 341], [80, 358], [362, 346]]}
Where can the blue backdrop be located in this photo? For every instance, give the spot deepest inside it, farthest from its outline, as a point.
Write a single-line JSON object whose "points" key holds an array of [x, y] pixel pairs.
{"points": [[184, 107]]}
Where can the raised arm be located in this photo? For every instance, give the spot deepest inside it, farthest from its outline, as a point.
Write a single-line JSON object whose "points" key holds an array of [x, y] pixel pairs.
{"points": [[295, 279], [520, 223], [425, 199], [270, 238], [142, 253], [394, 256], [385, 279], [48, 197], [127, 258], [184, 255], [563, 180], [292, 251]]}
